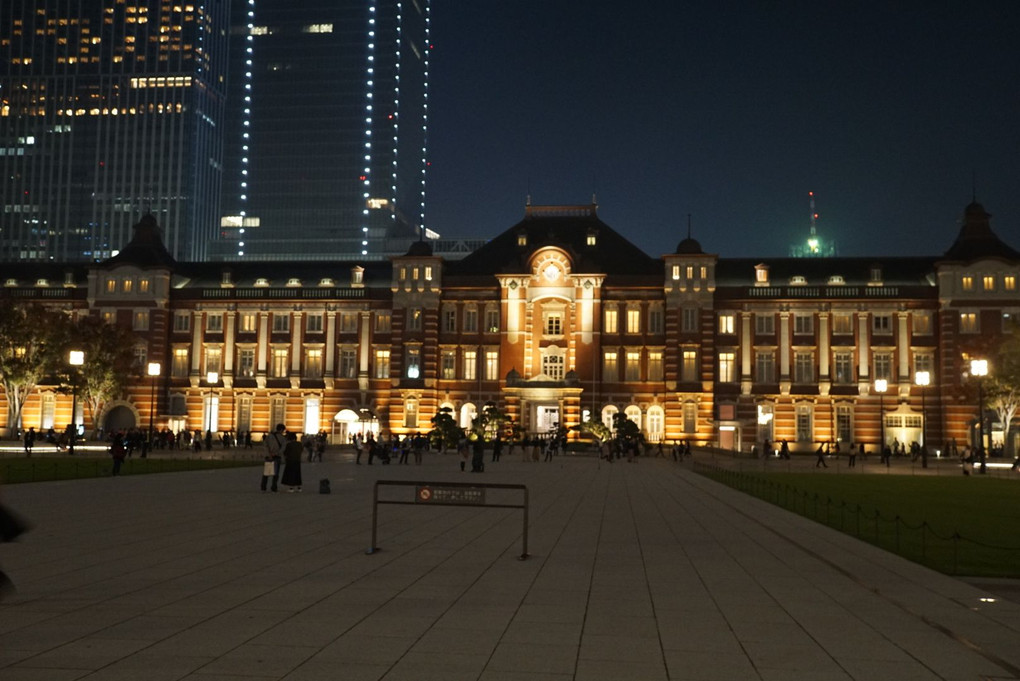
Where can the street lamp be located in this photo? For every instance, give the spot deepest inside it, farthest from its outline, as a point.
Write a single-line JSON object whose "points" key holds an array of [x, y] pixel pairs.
{"points": [[75, 358], [923, 379], [154, 370], [881, 385], [979, 368], [211, 379]]}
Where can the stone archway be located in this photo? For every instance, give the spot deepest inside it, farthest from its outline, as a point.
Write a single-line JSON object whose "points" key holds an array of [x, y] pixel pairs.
{"points": [[119, 417]]}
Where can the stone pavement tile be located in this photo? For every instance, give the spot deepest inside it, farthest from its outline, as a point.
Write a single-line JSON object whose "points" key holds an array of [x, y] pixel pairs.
{"points": [[262, 659], [619, 648], [708, 665], [833, 674], [370, 650], [415, 666], [456, 641], [603, 670], [325, 670], [150, 668], [554, 633], [609, 625], [576, 597], [149, 627], [801, 655], [864, 669], [30, 674], [492, 618], [489, 675], [403, 626], [532, 657], [85, 653]]}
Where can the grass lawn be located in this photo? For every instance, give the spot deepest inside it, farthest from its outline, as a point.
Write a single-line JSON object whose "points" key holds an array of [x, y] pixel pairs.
{"points": [[42, 468], [960, 525]]}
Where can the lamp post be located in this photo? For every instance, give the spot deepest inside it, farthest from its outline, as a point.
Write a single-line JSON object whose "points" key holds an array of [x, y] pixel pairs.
{"points": [[211, 379], [881, 385], [75, 358], [979, 368], [923, 379], [154, 370]]}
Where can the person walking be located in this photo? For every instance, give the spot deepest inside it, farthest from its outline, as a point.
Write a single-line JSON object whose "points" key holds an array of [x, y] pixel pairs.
{"points": [[852, 456], [497, 448], [359, 446], [292, 452], [820, 457], [29, 442], [784, 450], [275, 443], [118, 452]]}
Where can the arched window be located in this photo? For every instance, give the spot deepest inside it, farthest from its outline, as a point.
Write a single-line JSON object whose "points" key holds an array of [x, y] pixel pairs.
{"points": [[608, 412], [656, 423], [467, 415]]}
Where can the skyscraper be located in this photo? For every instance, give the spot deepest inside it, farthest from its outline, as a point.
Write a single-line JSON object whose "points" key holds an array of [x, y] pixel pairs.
{"points": [[110, 109], [325, 154]]}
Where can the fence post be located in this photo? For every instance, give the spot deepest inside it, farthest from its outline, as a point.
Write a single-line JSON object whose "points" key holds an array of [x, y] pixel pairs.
{"points": [[896, 526]]}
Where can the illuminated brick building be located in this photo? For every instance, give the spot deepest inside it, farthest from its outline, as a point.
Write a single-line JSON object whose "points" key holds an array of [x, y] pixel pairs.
{"points": [[109, 109], [557, 319]]}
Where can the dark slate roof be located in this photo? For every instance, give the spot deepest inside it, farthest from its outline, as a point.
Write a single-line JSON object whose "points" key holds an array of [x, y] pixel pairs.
{"points": [[976, 239], [378, 274], [145, 249], [566, 227], [689, 246], [896, 271]]}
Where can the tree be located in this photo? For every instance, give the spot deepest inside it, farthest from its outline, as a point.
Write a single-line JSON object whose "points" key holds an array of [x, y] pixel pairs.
{"points": [[492, 422], [445, 431], [30, 350], [109, 362], [1003, 386], [595, 428]]}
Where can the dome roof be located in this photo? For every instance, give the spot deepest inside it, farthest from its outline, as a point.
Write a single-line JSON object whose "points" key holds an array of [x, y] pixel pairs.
{"points": [[420, 248], [689, 246]]}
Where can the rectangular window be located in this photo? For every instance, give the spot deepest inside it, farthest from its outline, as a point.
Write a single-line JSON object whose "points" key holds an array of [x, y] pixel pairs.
{"points": [[924, 361], [689, 320], [689, 368], [764, 324], [180, 363], [141, 357], [246, 363], [552, 366], [553, 324], [470, 365], [348, 322], [842, 324], [727, 367], [844, 424], [278, 409], [633, 320], [690, 417], [727, 323], [968, 322], [450, 319], [610, 366], [278, 367], [612, 323], [143, 285], [313, 363], [803, 367], [213, 360], [214, 322], [128, 285], [988, 283], [843, 365], [414, 319], [922, 323], [249, 321], [314, 322], [803, 324], [348, 363], [1009, 282], [470, 320], [492, 320], [883, 365], [140, 320], [111, 285], [765, 367], [633, 367], [411, 413], [491, 365], [805, 431], [448, 364], [655, 365], [656, 323], [281, 322], [413, 364], [182, 321], [382, 363], [967, 283], [881, 323], [383, 322]]}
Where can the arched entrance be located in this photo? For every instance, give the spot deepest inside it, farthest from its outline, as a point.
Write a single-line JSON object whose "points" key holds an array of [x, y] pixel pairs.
{"points": [[121, 417]]}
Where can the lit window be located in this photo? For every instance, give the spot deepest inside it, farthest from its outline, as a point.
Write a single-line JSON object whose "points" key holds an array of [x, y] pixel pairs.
{"points": [[278, 369], [491, 365], [968, 322], [470, 365], [553, 365], [727, 367], [313, 363], [842, 324], [610, 366], [382, 363], [248, 322], [612, 321], [727, 323], [967, 283], [632, 370], [655, 365], [988, 283], [689, 368], [922, 323], [140, 320], [633, 320], [1009, 282]]}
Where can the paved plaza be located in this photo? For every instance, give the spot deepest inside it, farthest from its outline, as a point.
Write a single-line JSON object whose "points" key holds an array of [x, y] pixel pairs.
{"points": [[636, 571]]}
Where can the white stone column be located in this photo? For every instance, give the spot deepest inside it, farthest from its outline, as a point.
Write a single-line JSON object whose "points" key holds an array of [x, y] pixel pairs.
{"points": [[784, 346], [746, 345]]}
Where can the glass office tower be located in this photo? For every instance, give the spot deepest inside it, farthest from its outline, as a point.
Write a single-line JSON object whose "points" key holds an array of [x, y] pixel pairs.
{"points": [[110, 109], [325, 155]]}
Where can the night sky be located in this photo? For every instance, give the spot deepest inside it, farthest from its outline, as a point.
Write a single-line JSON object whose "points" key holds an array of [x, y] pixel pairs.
{"points": [[892, 112]]}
